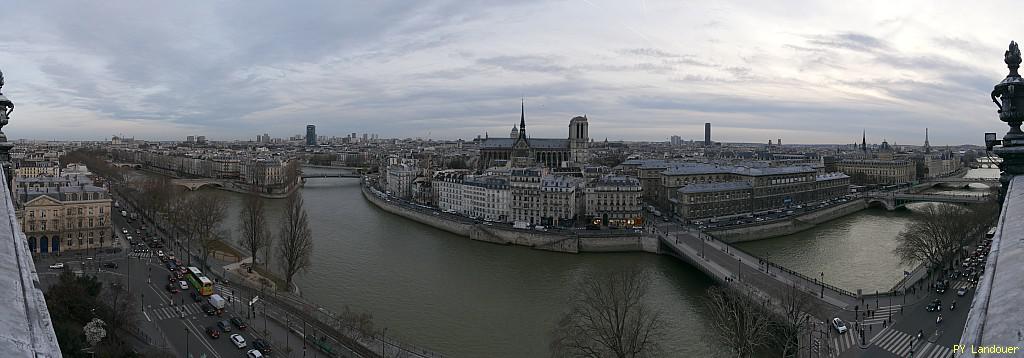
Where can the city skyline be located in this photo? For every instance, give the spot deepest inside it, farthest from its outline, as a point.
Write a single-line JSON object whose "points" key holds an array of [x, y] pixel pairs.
{"points": [[643, 71]]}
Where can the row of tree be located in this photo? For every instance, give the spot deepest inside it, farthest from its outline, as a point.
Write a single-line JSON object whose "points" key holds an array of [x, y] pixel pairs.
{"points": [[938, 231], [295, 240]]}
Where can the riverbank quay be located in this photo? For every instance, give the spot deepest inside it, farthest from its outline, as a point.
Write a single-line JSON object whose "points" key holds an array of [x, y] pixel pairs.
{"points": [[549, 239], [792, 225]]}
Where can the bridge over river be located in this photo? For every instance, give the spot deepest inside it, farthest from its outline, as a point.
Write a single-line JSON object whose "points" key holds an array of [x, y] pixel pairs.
{"points": [[727, 264], [893, 200]]}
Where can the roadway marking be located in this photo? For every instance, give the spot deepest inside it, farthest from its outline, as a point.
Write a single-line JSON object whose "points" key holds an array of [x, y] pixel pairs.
{"points": [[189, 325], [147, 316]]}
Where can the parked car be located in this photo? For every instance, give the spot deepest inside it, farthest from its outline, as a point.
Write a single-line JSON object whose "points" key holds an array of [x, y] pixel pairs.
{"points": [[224, 326], [238, 322], [212, 332], [238, 341], [839, 325], [57, 266]]}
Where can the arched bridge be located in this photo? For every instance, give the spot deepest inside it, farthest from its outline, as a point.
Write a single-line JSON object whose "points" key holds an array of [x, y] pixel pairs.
{"points": [[892, 201], [333, 175], [960, 181], [193, 184], [130, 165]]}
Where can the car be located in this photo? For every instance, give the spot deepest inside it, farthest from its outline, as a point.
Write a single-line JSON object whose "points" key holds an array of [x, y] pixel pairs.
{"points": [[212, 332], [208, 309], [172, 288], [110, 265], [262, 346], [183, 285], [224, 325], [961, 291], [57, 266], [238, 322], [195, 296], [934, 306], [252, 353], [839, 326], [124, 231], [238, 340]]}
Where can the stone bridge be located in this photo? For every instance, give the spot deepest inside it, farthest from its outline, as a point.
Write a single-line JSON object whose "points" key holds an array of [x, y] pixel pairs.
{"points": [[893, 201], [962, 182], [194, 184], [729, 265], [130, 165]]}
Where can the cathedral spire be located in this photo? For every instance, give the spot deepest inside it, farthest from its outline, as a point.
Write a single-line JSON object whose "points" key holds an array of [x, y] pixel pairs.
{"points": [[522, 120], [864, 141]]}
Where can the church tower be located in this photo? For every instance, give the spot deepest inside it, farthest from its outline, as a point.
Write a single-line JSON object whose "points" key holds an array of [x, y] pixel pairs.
{"points": [[579, 139], [515, 133], [522, 153], [864, 142]]}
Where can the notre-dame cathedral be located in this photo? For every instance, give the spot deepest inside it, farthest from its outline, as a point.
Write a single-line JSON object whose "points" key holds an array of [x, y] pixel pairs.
{"points": [[518, 150]]}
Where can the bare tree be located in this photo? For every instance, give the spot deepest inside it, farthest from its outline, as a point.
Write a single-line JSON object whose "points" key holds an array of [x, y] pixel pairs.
{"points": [[295, 245], [793, 316], [934, 235], [253, 224], [741, 322], [610, 317], [206, 212], [122, 315]]}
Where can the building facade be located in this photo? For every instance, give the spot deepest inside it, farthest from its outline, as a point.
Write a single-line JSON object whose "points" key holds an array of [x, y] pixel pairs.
{"points": [[64, 213], [521, 151], [614, 200], [525, 206], [881, 172]]}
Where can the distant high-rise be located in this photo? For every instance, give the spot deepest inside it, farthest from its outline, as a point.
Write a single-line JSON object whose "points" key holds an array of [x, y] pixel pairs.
{"points": [[707, 134], [266, 138], [310, 134], [190, 139], [676, 140], [201, 139], [779, 142], [365, 137]]}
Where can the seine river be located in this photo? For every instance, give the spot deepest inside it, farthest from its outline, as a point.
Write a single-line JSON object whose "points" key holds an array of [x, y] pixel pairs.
{"points": [[471, 299]]}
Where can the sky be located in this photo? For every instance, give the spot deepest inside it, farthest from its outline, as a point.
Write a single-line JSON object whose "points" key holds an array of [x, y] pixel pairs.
{"points": [[800, 71]]}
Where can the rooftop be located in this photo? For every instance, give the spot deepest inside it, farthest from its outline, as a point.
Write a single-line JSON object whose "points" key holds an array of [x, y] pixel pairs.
{"points": [[995, 317], [28, 330]]}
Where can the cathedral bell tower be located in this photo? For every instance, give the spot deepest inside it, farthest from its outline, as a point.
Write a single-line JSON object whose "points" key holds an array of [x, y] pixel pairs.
{"points": [[579, 139]]}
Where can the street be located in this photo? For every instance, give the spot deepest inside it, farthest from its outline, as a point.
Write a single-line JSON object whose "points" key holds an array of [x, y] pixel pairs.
{"points": [[174, 321]]}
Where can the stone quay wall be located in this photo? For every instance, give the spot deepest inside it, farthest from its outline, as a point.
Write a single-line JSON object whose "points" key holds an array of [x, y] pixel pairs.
{"points": [[791, 225]]}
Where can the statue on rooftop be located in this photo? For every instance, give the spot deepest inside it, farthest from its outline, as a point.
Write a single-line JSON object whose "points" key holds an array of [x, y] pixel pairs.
{"points": [[6, 108]]}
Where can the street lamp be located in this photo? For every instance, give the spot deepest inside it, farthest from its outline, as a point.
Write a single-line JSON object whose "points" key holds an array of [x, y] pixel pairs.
{"points": [[822, 284], [186, 342]]}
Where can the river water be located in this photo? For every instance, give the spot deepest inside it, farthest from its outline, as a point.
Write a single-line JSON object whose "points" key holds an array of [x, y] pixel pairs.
{"points": [[471, 299]]}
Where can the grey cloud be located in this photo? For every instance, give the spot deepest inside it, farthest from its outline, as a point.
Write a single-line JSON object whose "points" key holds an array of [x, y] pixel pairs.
{"points": [[525, 63], [850, 41]]}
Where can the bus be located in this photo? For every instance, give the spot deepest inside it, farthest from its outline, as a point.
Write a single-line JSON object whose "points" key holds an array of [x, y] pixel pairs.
{"points": [[202, 284]]}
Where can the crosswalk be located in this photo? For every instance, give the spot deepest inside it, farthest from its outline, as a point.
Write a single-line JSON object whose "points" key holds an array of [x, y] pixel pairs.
{"points": [[961, 284], [882, 314], [842, 342], [144, 254], [162, 313], [901, 344]]}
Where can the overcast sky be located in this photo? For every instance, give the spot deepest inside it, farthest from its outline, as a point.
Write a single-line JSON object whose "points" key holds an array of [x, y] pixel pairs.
{"points": [[805, 72]]}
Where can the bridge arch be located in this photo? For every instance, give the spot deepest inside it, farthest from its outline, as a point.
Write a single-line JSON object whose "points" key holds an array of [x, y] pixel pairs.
{"points": [[882, 203]]}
